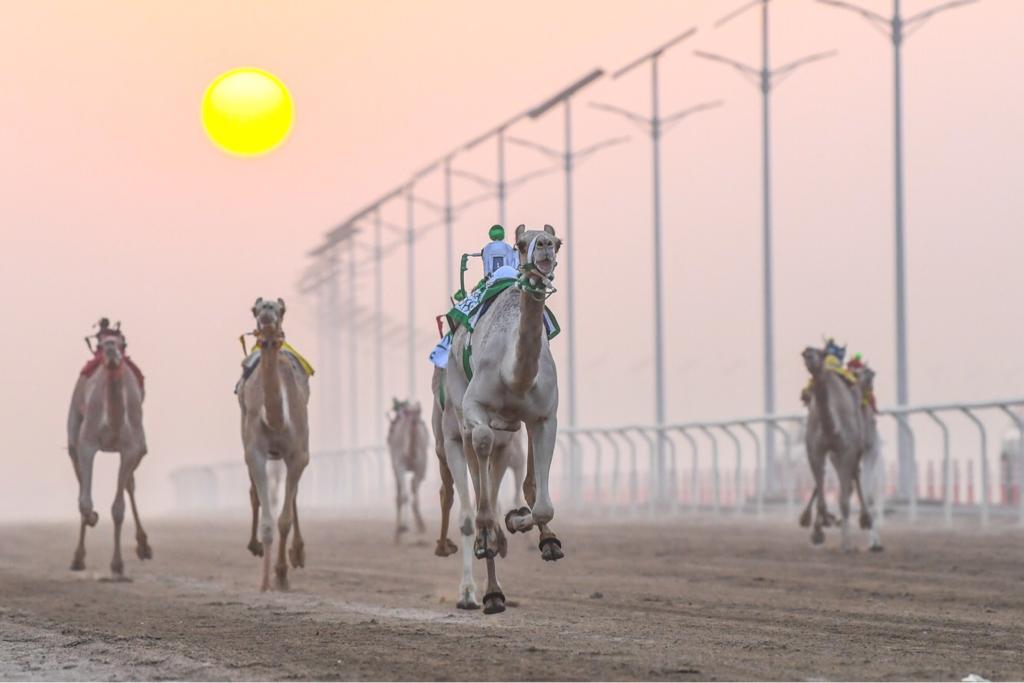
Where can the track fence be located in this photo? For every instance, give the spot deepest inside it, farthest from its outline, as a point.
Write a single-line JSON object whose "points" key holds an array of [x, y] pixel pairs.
{"points": [[716, 467]]}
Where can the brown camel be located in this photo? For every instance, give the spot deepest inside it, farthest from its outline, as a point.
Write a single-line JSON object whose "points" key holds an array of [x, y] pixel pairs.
{"points": [[106, 415], [508, 379], [275, 426], [407, 444], [834, 430]]}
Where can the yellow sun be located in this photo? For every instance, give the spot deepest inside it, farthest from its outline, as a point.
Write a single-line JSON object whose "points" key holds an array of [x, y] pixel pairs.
{"points": [[247, 111]]}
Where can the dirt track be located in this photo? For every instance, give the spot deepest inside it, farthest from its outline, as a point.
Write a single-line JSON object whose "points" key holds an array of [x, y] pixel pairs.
{"points": [[689, 600]]}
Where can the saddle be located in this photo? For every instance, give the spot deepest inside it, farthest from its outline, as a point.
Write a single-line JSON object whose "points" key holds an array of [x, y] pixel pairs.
{"points": [[89, 369]]}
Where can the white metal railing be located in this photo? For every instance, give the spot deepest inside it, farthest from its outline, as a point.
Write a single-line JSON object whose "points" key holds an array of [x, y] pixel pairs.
{"points": [[607, 468]]}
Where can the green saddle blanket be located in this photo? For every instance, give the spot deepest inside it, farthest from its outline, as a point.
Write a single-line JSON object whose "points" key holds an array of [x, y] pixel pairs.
{"points": [[468, 312]]}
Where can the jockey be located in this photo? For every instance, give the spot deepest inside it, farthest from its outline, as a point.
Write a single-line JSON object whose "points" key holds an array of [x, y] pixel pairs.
{"points": [[855, 363], [834, 349], [498, 253]]}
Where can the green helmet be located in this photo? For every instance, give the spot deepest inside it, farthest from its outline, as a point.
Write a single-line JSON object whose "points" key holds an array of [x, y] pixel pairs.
{"points": [[496, 233]]}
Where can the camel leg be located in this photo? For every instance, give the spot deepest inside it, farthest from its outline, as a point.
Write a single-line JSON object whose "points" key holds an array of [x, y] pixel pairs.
{"points": [[870, 470], [297, 553], [460, 470], [542, 437], [117, 514], [257, 463], [866, 522], [142, 547], [818, 470], [518, 478], [805, 517], [284, 523], [83, 469], [401, 498], [846, 479], [482, 446], [255, 547], [444, 546], [417, 479]]}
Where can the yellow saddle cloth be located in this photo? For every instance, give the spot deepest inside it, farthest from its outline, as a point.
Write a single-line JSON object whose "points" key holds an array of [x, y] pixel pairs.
{"points": [[835, 365], [288, 348]]}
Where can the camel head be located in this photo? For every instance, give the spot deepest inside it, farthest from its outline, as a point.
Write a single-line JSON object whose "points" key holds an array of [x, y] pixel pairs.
{"points": [[814, 360], [866, 378], [111, 344], [538, 249], [269, 317]]}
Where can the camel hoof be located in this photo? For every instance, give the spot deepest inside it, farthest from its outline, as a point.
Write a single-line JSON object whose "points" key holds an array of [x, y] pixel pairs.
{"points": [[817, 537], [521, 512], [256, 548], [281, 583], [551, 549], [78, 564], [445, 547], [865, 520], [144, 551], [876, 548], [494, 603], [92, 518], [297, 555], [805, 519], [468, 603], [484, 547], [830, 520]]}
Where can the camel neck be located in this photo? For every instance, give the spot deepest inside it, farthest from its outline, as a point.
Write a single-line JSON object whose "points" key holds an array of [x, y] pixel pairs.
{"points": [[528, 343], [273, 400], [115, 399]]}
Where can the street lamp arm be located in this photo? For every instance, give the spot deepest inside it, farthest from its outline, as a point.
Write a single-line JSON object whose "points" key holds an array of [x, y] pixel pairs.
{"points": [[536, 146], [516, 183], [611, 142], [779, 74], [735, 13], [393, 227], [479, 179], [680, 115], [429, 204], [473, 200], [923, 16], [642, 121], [748, 71], [876, 19]]}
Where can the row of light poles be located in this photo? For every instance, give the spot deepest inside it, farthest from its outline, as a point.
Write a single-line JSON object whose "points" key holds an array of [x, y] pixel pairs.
{"points": [[655, 125]]}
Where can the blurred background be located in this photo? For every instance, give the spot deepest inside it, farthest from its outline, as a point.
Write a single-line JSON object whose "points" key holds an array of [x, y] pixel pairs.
{"points": [[114, 203]]}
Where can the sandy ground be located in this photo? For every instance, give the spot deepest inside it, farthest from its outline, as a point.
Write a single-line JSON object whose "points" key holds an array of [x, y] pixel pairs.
{"points": [[696, 599]]}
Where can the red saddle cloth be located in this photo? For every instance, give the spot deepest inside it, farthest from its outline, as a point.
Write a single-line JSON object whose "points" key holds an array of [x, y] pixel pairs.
{"points": [[97, 360]]}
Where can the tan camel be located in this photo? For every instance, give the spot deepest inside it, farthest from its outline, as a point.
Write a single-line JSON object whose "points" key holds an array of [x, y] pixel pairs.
{"points": [[407, 443], [275, 426], [106, 415], [512, 381], [834, 430]]}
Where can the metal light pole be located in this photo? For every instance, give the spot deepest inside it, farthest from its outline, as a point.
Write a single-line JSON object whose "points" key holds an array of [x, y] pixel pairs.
{"points": [[410, 204], [765, 78], [378, 324], [897, 29], [655, 126], [565, 97]]}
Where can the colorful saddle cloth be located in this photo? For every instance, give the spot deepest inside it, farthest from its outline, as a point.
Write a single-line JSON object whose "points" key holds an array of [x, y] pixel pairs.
{"points": [[97, 360], [251, 362], [835, 365], [469, 311]]}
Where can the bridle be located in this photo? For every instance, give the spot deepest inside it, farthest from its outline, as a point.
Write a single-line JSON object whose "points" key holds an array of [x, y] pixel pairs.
{"points": [[531, 280]]}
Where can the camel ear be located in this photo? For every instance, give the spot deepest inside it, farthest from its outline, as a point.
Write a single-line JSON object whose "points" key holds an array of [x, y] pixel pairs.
{"points": [[520, 231], [281, 302], [548, 229], [255, 305]]}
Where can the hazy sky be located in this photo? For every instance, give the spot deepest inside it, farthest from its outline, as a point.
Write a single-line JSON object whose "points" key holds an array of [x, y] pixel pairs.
{"points": [[114, 203]]}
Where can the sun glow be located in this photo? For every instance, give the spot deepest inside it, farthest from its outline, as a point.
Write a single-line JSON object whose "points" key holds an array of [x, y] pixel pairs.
{"points": [[247, 112]]}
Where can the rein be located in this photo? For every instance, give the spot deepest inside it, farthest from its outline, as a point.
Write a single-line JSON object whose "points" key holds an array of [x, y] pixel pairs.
{"points": [[261, 340]]}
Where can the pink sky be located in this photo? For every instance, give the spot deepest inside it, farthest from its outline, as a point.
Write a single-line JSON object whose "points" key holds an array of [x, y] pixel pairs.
{"points": [[114, 202]]}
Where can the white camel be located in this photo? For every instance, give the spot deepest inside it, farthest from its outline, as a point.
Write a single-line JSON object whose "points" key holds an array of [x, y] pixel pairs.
{"points": [[106, 415], [407, 444], [507, 380], [275, 426]]}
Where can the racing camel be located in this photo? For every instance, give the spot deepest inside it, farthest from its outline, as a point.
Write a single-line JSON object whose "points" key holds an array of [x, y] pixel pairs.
{"points": [[835, 430], [503, 375], [407, 444], [106, 415], [275, 426]]}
